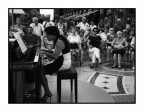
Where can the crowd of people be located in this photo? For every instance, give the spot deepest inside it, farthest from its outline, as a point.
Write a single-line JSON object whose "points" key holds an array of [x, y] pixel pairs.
{"points": [[59, 38]]}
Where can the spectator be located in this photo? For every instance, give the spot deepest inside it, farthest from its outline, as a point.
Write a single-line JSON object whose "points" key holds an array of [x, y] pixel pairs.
{"points": [[83, 25], [61, 25], [47, 22], [74, 40], [18, 28], [110, 38], [56, 19], [31, 39], [119, 44], [101, 25], [94, 43], [37, 27], [92, 26]]}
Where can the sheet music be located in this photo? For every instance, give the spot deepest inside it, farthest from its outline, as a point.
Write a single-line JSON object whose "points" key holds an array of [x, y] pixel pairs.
{"points": [[20, 42]]}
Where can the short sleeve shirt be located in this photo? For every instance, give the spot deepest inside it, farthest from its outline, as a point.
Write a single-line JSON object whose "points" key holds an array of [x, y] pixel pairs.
{"points": [[37, 30], [95, 41]]}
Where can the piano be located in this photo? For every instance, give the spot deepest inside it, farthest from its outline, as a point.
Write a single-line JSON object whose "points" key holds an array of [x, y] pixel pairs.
{"points": [[19, 63]]}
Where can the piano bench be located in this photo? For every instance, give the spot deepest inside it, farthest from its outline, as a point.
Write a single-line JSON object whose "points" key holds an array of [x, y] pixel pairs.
{"points": [[64, 75]]}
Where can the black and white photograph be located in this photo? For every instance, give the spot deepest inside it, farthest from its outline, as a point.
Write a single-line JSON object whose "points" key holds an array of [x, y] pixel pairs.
{"points": [[72, 55]]}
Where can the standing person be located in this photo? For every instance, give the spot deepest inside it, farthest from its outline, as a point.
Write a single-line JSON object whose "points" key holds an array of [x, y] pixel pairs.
{"points": [[47, 22], [119, 44], [37, 27], [61, 57], [110, 38], [18, 28], [94, 43], [61, 25], [92, 25], [83, 24], [101, 25], [56, 19]]}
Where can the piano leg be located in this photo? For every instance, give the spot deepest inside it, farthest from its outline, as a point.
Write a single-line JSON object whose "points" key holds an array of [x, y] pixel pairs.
{"points": [[19, 75], [37, 83]]}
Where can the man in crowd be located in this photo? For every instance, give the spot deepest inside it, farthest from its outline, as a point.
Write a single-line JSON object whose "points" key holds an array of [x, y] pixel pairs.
{"points": [[47, 22], [37, 27], [31, 39], [83, 25]]}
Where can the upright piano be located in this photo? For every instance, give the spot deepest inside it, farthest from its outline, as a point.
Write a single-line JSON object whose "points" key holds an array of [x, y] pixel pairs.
{"points": [[19, 63]]}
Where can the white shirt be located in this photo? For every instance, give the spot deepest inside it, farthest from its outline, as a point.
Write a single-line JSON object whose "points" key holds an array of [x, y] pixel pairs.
{"points": [[37, 29], [48, 24], [83, 26], [103, 36], [74, 39], [133, 41]]}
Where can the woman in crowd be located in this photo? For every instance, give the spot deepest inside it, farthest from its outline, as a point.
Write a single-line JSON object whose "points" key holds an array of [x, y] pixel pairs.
{"points": [[18, 28], [75, 41], [119, 44], [61, 57], [110, 37], [94, 43], [92, 25]]}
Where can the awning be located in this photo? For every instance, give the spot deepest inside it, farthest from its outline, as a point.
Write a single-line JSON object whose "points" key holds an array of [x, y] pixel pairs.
{"points": [[86, 14], [73, 16], [16, 11]]}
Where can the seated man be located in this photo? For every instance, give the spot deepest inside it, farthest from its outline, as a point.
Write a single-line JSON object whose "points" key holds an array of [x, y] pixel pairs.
{"points": [[31, 40], [94, 43]]}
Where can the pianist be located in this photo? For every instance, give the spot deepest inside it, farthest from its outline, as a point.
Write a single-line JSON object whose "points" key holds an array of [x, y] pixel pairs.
{"points": [[61, 57]]}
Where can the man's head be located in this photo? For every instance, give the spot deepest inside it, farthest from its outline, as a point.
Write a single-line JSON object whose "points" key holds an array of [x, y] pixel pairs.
{"points": [[18, 21], [48, 18], [30, 30], [92, 22], [35, 20], [61, 19], [84, 19]]}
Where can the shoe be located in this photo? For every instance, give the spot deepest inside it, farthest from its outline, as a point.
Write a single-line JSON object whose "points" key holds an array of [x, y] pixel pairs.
{"points": [[119, 67], [91, 66], [46, 96], [100, 62], [114, 66]]}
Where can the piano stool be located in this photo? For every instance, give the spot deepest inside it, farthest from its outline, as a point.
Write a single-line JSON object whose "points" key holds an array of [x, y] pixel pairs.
{"points": [[64, 75]]}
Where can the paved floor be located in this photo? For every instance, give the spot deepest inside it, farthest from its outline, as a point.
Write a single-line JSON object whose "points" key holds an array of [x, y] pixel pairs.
{"points": [[120, 84]]}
